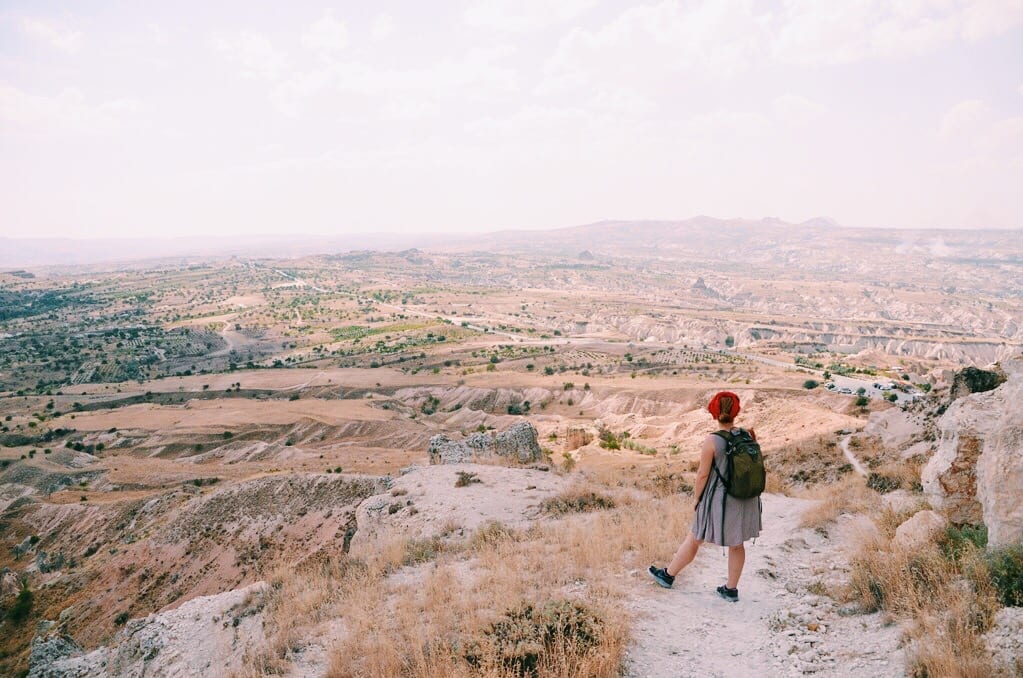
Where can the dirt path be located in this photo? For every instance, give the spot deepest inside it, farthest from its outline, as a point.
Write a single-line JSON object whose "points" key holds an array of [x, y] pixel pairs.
{"points": [[778, 628], [852, 457]]}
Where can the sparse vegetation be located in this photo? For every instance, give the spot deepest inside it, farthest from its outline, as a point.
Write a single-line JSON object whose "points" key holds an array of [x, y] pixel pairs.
{"points": [[951, 601], [576, 500], [466, 478]]}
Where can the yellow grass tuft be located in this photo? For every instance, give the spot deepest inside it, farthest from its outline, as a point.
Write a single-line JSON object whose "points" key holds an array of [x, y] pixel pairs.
{"points": [[946, 596], [848, 495]]}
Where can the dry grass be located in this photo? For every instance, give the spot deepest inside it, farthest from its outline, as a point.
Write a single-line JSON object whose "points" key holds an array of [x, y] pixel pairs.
{"points": [[848, 495], [946, 596], [503, 602], [895, 475], [298, 598]]}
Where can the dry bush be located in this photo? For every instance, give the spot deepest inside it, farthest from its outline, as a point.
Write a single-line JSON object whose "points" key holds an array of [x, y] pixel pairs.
{"points": [[895, 475], [465, 478], [776, 484], [576, 500], [945, 593], [809, 461], [849, 495], [555, 638], [666, 480]]}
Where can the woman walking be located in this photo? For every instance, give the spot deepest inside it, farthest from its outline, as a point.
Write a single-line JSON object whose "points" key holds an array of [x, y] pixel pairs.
{"points": [[721, 518]]}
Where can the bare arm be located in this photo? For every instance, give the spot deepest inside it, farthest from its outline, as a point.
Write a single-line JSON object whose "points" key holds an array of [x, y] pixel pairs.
{"points": [[706, 461]]}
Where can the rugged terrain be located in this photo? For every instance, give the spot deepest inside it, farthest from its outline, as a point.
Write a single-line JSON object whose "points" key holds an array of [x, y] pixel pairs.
{"points": [[380, 463]]}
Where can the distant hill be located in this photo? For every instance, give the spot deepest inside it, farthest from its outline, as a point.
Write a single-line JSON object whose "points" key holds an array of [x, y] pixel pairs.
{"points": [[700, 236], [22, 252]]}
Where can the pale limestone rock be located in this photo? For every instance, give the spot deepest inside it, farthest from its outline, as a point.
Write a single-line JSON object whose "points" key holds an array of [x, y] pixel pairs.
{"points": [[919, 529], [206, 636], [518, 442], [976, 473]]}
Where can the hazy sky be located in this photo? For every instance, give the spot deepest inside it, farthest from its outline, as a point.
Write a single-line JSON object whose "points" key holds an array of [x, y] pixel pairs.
{"points": [[185, 118]]}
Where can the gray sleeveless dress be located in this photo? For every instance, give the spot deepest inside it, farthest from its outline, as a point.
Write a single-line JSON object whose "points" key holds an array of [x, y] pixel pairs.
{"points": [[741, 516]]}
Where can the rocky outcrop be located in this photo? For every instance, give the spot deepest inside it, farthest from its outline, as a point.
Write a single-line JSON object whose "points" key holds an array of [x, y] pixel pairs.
{"points": [[46, 563], [205, 636], [10, 584], [57, 655], [974, 380], [518, 442], [976, 473]]}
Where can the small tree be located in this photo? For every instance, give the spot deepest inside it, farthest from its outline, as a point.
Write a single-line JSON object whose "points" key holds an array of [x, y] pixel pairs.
{"points": [[810, 384], [862, 401]]}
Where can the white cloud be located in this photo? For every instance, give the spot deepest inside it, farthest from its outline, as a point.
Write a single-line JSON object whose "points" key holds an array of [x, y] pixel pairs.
{"points": [[651, 42], [523, 15], [155, 34], [67, 111], [712, 38], [964, 117], [796, 110], [529, 122], [383, 27], [474, 76], [58, 37], [327, 36], [253, 52]]}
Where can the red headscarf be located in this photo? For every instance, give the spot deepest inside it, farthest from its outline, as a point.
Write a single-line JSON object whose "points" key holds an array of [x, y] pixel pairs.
{"points": [[715, 404]]}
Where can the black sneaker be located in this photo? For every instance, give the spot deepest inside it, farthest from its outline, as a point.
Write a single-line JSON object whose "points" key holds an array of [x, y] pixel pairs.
{"points": [[731, 595], [661, 576]]}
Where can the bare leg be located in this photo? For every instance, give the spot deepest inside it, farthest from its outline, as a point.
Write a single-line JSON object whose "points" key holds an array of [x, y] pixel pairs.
{"points": [[685, 554], [736, 559]]}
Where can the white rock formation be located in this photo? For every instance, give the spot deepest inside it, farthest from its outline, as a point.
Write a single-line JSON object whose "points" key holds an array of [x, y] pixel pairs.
{"points": [[204, 637], [976, 473], [517, 442]]}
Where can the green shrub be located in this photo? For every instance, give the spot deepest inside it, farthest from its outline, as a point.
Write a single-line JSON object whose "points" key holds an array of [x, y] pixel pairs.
{"points": [[957, 541], [22, 606], [1006, 567], [608, 440], [811, 384], [882, 483]]}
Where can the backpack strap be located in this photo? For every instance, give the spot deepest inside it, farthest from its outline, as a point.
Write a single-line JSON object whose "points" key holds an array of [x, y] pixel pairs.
{"points": [[728, 438]]}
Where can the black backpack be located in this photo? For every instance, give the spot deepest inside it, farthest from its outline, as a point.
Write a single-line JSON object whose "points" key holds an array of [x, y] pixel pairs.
{"points": [[745, 476]]}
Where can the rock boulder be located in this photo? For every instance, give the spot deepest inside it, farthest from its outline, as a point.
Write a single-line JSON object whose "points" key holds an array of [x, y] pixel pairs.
{"points": [[919, 529], [518, 442]]}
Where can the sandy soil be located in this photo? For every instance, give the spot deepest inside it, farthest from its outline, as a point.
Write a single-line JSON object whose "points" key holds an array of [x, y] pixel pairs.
{"points": [[234, 412]]}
